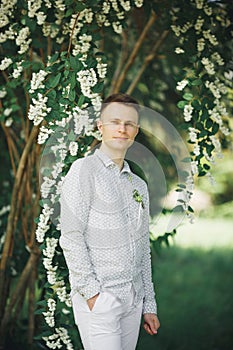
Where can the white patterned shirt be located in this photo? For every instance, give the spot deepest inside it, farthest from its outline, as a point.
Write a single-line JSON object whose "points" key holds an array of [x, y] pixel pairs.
{"points": [[105, 231]]}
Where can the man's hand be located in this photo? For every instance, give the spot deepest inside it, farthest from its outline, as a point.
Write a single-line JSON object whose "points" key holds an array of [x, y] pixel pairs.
{"points": [[91, 301], [151, 324]]}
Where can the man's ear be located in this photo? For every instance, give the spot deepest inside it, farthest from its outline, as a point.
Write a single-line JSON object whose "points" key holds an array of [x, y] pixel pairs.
{"points": [[99, 125]]}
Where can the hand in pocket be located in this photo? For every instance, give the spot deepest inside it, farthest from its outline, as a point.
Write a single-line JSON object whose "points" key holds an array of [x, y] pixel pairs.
{"points": [[91, 301]]}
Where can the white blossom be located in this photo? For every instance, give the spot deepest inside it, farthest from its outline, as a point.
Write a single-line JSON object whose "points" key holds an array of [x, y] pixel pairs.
{"points": [[188, 109], [216, 57], [22, 41], [41, 17], [209, 66], [96, 102], [181, 84], [208, 10], [60, 5], [125, 4], [33, 7], [5, 210], [6, 11], [210, 159], [179, 50], [101, 69], [194, 167], [87, 79], [83, 45], [106, 7], [49, 318], [217, 145], [186, 27], [199, 4], [43, 134], [200, 44], [51, 275], [3, 93], [73, 148], [46, 186], [38, 110], [117, 27], [18, 70], [51, 244], [224, 130], [196, 150], [43, 226], [229, 75], [138, 3], [5, 63], [176, 30], [57, 169], [8, 122], [37, 81], [198, 25], [7, 112], [211, 37], [192, 134]]}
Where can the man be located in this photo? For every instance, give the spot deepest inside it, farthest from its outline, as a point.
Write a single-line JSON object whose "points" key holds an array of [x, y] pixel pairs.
{"points": [[105, 237]]}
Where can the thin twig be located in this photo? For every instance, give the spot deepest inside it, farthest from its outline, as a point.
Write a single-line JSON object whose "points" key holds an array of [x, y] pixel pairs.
{"points": [[121, 61], [146, 62], [134, 53], [13, 209], [71, 35]]}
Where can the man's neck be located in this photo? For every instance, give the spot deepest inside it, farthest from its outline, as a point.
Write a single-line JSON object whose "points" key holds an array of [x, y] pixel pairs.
{"points": [[116, 155]]}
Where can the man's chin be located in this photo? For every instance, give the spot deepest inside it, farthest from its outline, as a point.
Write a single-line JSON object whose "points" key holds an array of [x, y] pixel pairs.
{"points": [[119, 143]]}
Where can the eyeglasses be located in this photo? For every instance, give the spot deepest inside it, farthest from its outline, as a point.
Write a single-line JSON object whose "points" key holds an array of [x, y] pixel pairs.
{"points": [[114, 124]]}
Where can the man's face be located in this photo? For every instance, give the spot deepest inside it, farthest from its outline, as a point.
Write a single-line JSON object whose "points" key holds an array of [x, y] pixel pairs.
{"points": [[118, 125]]}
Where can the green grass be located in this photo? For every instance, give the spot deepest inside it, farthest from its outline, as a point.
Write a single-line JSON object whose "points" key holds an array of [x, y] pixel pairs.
{"points": [[194, 287]]}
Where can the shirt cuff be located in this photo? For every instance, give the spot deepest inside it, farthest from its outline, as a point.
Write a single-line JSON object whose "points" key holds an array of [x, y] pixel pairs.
{"points": [[89, 291], [149, 307]]}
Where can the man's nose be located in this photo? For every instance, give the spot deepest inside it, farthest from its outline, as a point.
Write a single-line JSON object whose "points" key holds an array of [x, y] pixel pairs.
{"points": [[122, 127]]}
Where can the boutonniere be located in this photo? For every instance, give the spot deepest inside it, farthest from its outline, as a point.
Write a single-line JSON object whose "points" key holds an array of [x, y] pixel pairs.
{"points": [[138, 198]]}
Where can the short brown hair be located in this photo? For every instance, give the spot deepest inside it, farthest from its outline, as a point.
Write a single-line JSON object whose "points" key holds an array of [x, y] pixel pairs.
{"points": [[121, 98]]}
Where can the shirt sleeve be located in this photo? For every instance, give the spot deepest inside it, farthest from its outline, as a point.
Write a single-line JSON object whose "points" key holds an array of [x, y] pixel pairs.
{"points": [[149, 302], [75, 204]]}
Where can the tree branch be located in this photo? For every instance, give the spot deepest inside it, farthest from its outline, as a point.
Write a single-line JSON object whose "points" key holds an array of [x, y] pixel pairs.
{"points": [[147, 61], [13, 209], [121, 61], [133, 54]]}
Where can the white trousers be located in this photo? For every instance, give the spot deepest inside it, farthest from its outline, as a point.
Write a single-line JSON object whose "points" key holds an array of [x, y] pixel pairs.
{"points": [[110, 325]]}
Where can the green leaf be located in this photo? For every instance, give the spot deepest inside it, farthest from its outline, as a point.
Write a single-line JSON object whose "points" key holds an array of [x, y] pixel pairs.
{"points": [[75, 63], [187, 96], [196, 82], [81, 100], [72, 95], [209, 123], [182, 104], [206, 166], [73, 81], [202, 173], [39, 311], [54, 81], [190, 209], [98, 88], [41, 303], [196, 104], [215, 128]]}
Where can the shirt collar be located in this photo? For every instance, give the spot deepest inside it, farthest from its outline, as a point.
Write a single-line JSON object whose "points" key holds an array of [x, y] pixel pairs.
{"points": [[108, 162]]}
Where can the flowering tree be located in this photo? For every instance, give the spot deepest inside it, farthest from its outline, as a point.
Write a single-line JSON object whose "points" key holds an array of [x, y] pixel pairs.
{"points": [[54, 66]]}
